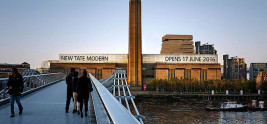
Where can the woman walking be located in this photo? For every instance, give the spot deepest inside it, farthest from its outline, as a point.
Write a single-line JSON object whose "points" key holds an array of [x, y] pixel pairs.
{"points": [[15, 88], [83, 88], [74, 89]]}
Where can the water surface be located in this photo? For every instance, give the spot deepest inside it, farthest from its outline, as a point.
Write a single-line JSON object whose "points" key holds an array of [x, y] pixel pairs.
{"points": [[163, 111]]}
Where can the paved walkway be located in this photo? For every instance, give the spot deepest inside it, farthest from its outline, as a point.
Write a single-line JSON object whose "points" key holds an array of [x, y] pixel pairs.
{"points": [[46, 106]]}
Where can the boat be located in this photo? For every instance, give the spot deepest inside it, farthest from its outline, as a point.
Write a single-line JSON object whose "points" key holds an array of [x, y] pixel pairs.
{"points": [[228, 106]]}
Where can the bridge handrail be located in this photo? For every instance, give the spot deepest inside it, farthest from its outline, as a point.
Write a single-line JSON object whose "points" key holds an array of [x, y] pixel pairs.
{"points": [[116, 111], [3, 79], [33, 81]]}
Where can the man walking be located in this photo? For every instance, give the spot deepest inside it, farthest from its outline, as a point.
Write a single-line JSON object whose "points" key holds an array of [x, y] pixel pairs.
{"points": [[15, 88], [84, 87], [69, 89]]}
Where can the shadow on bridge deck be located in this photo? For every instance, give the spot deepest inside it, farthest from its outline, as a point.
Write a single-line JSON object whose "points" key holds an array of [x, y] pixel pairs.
{"points": [[46, 106]]}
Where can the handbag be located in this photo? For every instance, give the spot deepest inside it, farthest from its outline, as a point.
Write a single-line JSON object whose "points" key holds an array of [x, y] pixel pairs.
{"points": [[90, 87]]}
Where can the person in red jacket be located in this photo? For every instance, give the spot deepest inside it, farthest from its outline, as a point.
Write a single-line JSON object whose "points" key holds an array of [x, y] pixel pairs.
{"points": [[15, 87]]}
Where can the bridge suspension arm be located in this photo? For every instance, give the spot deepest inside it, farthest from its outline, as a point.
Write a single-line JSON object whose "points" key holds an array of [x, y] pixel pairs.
{"points": [[117, 113]]}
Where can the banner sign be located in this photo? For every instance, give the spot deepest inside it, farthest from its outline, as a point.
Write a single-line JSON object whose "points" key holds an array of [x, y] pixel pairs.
{"points": [[147, 58], [93, 58], [180, 58]]}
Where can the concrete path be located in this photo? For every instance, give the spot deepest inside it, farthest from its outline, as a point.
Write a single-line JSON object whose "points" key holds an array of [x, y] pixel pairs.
{"points": [[46, 106]]}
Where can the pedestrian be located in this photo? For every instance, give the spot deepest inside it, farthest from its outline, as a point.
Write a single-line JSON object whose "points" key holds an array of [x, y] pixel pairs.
{"points": [[74, 89], [15, 88], [69, 89], [84, 87]]}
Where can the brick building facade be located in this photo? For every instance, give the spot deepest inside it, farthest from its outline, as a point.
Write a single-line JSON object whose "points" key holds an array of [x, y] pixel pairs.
{"points": [[159, 66]]}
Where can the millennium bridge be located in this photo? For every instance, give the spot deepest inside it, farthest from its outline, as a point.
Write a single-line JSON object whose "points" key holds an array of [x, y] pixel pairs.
{"points": [[44, 99]]}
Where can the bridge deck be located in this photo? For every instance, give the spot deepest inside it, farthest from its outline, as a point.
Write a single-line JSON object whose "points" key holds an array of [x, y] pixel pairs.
{"points": [[46, 106]]}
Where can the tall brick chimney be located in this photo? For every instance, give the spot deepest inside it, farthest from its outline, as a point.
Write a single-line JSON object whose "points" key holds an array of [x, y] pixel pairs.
{"points": [[135, 44]]}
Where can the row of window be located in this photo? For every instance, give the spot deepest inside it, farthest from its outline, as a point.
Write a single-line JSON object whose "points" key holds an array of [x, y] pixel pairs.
{"points": [[9, 69], [187, 74]]}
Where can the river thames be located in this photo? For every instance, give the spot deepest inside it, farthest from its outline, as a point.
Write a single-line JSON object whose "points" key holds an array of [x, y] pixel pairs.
{"points": [[162, 111]]}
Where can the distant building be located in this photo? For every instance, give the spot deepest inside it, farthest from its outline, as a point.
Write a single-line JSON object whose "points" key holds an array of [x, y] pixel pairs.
{"points": [[205, 48], [45, 66], [177, 44], [5, 68], [255, 68], [234, 68], [261, 77]]}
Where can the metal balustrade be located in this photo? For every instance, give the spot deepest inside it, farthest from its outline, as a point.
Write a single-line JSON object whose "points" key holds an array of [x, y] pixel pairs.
{"points": [[30, 72], [109, 109], [120, 83], [32, 82]]}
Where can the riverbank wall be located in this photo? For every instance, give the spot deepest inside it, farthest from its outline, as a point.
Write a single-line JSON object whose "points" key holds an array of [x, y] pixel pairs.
{"points": [[204, 96]]}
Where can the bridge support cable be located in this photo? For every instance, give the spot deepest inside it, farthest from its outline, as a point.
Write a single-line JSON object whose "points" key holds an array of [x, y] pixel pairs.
{"points": [[124, 94], [118, 86], [114, 88]]}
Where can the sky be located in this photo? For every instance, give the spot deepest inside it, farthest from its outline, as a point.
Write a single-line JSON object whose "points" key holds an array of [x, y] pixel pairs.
{"points": [[37, 30]]}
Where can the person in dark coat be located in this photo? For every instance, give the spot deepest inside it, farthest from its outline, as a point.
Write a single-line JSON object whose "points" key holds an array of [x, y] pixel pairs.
{"points": [[74, 90], [83, 86], [69, 89], [15, 88]]}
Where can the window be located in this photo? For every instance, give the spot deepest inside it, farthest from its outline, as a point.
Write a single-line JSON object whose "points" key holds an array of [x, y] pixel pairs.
{"points": [[203, 75], [148, 76], [171, 74], [187, 73], [98, 74]]}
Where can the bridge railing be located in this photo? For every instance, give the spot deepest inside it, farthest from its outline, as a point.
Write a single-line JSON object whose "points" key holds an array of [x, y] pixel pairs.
{"points": [[31, 83], [115, 111], [120, 84]]}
